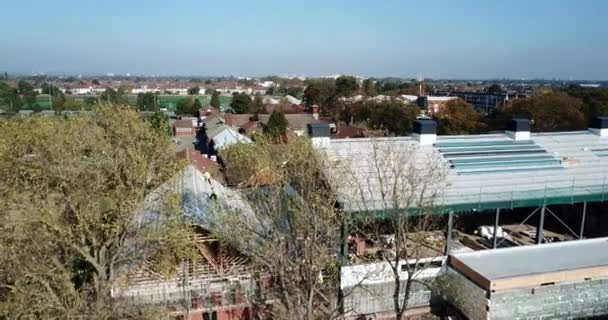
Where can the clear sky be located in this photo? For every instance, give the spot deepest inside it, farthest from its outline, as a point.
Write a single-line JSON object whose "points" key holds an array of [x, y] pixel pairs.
{"points": [[439, 39]]}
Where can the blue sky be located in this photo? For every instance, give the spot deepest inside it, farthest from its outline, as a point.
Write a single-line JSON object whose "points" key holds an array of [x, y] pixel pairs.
{"points": [[440, 39]]}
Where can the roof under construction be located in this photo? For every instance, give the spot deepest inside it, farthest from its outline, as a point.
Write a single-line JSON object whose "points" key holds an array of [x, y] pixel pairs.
{"points": [[482, 171]]}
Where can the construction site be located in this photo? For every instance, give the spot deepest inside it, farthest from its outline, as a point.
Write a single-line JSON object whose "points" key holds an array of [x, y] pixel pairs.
{"points": [[505, 209]]}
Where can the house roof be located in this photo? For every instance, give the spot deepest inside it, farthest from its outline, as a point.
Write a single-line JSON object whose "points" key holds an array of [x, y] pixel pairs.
{"points": [[482, 171], [297, 121], [202, 198], [198, 160], [183, 123]]}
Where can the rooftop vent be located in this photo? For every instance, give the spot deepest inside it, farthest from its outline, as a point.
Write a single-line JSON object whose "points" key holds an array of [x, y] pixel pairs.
{"points": [[425, 131], [519, 129], [319, 134], [599, 126]]}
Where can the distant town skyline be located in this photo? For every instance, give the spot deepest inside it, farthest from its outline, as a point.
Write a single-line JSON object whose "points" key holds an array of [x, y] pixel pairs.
{"points": [[434, 39]]}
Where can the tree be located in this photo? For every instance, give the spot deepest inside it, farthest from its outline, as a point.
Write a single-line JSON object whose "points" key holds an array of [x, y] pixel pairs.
{"points": [[391, 116], [95, 82], [147, 101], [241, 103], [258, 104], [215, 99], [319, 92], [194, 91], [84, 178], [394, 204], [26, 90], [276, 126], [50, 90], [495, 88], [196, 106], [550, 111], [296, 244], [160, 123], [9, 98], [458, 117], [595, 100], [369, 88], [185, 106], [346, 86]]}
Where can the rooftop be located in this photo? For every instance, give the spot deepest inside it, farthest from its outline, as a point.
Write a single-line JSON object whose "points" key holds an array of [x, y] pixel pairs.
{"points": [[540, 264], [482, 171]]}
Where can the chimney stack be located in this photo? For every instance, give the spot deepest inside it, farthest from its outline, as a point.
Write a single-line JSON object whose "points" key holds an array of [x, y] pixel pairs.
{"points": [[315, 112], [425, 131], [599, 126], [319, 134], [228, 119], [519, 129]]}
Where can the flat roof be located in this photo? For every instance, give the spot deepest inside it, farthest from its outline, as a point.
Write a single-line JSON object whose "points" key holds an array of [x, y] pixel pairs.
{"points": [[536, 264], [551, 168]]}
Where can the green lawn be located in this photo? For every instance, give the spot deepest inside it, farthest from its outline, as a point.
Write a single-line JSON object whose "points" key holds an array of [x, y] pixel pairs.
{"points": [[165, 101]]}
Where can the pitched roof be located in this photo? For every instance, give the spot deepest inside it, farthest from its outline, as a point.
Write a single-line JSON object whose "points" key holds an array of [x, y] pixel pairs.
{"points": [[183, 123], [201, 197], [198, 160]]}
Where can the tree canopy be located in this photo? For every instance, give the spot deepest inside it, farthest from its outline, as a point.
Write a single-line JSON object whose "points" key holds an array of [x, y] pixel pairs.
{"points": [[276, 126], [553, 111], [458, 117], [391, 116], [215, 99], [194, 90], [346, 86], [241, 103], [71, 192]]}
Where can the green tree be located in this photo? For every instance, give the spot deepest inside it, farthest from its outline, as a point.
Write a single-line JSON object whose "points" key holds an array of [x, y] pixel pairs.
{"points": [[160, 123], [458, 117], [393, 117], [84, 177], [196, 106], [9, 98], [95, 82], [147, 101], [241, 103], [194, 91], [215, 99], [346, 86], [319, 92], [369, 87], [550, 111], [298, 241], [184, 106], [495, 88], [26, 90], [276, 126], [258, 104], [595, 100]]}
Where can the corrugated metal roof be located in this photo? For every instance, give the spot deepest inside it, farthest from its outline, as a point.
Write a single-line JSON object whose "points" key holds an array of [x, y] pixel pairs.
{"points": [[582, 174]]}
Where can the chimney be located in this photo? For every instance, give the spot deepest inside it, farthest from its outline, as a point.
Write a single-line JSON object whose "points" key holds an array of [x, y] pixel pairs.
{"points": [[599, 126], [229, 119], [319, 134], [315, 112], [519, 129], [425, 131]]}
